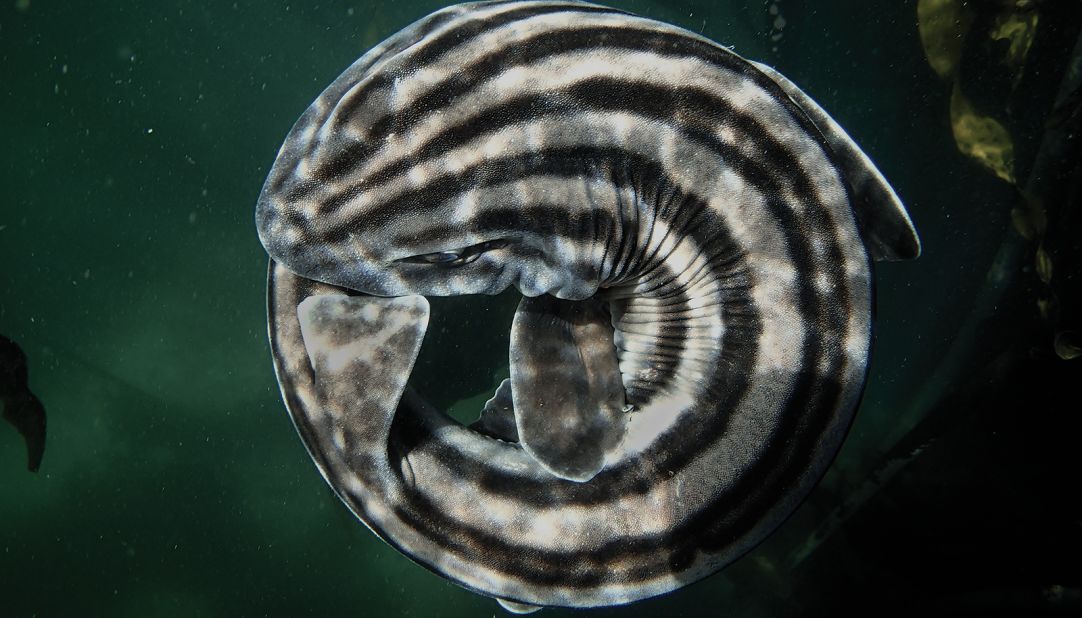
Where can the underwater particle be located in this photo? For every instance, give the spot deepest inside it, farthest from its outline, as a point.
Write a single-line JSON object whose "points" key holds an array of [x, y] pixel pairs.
{"points": [[1068, 344], [22, 6], [943, 25], [981, 138], [777, 24], [372, 35]]}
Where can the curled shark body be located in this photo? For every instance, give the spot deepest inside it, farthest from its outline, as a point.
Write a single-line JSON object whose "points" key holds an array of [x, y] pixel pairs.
{"points": [[692, 236]]}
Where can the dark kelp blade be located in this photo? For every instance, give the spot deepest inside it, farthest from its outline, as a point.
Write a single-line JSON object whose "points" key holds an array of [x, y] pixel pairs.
{"points": [[22, 408]]}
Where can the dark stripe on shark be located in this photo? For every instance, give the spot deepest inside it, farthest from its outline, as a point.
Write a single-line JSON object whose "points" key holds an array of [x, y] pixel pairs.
{"points": [[456, 37], [647, 99], [615, 95], [301, 149], [425, 52], [573, 162], [640, 38]]}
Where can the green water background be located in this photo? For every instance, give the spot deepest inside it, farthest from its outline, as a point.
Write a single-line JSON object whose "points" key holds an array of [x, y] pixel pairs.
{"points": [[137, 136]]}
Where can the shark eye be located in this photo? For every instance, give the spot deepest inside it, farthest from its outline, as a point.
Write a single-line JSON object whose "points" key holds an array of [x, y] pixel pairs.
{"points": [[442, 257], [456, 257]]}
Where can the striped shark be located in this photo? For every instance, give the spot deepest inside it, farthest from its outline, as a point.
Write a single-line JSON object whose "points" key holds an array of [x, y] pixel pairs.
{"points": [[692, 236]]}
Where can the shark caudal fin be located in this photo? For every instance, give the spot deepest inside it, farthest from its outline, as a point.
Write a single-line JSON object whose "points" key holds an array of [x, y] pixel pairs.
{"points": [[885, 226]]}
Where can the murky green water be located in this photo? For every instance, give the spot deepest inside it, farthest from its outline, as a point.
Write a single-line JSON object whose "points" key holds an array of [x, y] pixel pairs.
{"points": [[137, 136]]}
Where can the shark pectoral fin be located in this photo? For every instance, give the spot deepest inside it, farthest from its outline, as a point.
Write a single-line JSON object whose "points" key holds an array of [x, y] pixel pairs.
{"points": [[515, 607], [566, 385], [498, 416], [362, 350], [885, 226]]}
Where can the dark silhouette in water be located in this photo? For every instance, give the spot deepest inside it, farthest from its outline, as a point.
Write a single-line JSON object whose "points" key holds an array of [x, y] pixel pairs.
{"points": [[21, 408]]}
